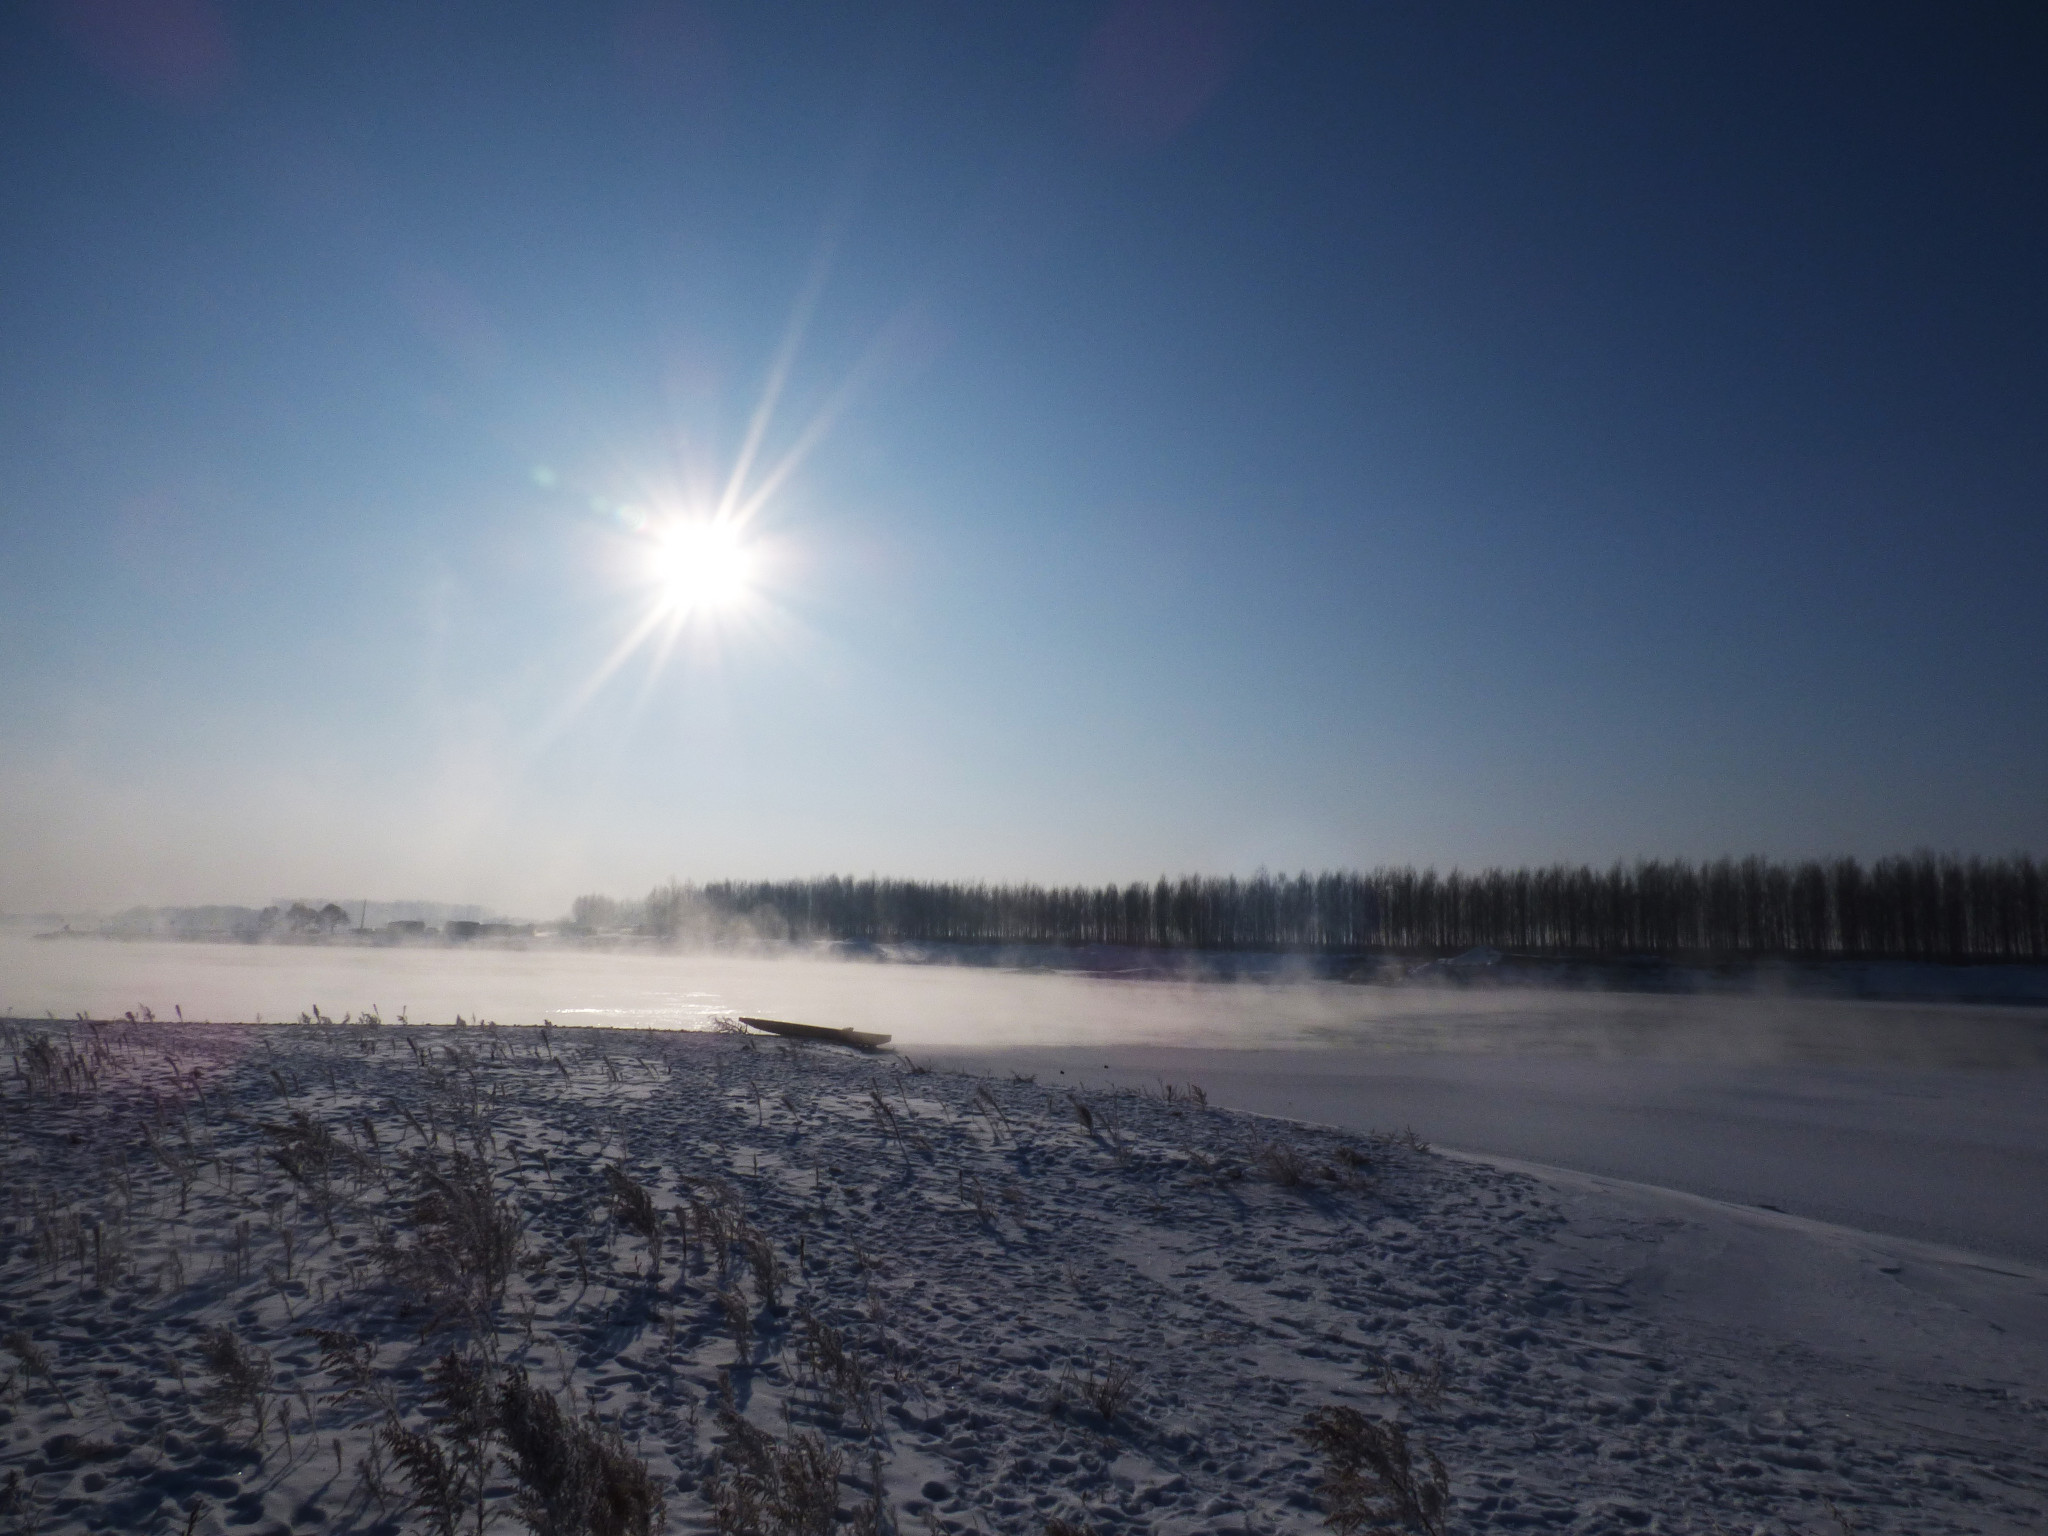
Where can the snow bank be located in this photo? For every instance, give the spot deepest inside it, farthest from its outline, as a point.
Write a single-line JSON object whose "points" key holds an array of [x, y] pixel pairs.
{"points": [[775, 1277]]}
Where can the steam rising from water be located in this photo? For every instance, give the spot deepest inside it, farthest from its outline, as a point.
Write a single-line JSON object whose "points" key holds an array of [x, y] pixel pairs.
{"points": [[953, 1007]]}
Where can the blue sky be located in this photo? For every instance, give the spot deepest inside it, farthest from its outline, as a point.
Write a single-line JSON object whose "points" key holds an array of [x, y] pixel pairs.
{"points": [[1302, 436]]}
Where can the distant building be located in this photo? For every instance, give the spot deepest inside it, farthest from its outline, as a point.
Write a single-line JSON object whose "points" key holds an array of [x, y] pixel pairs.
{"points": [[407, 928]]}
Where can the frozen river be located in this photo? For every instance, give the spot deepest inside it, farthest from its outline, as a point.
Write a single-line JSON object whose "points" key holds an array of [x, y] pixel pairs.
{"points": [[1919, 1121]]}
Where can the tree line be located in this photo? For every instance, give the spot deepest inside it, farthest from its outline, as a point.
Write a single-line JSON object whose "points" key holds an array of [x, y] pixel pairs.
{"points": [[1920, 906]]}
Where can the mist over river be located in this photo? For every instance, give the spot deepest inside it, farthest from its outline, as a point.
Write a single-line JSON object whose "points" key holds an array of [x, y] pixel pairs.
{"points": [[962, 1007]]}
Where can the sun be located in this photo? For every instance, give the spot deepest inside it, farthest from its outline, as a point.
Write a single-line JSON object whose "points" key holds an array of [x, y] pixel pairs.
{"points": [[700, 566]]}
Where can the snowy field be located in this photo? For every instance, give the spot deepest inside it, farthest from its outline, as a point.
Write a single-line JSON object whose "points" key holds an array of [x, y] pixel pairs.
{"points": [[382, 1278]]}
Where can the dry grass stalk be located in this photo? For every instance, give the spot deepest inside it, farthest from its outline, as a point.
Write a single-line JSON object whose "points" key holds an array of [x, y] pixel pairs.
{"points": [[465, 1245], [450, 1469], [37, 1362], [179, 1168], [348, 1359], [47, 1070], [59, 1234], [437, 1494], [835, 1366], [871, 1518], [766, 1267], [1405, 1139], [1373, 1481], [972, 1193], [109, 1252], [1108, 1393], [1281, 1163], [1423, 1384], [1356, 1168], [992, 1112], [634, 1209], [241, 1379], [237, 1259], [762, 1486], [576, 1477], [1113, 1127], [738, 1322], [888, 1123]]}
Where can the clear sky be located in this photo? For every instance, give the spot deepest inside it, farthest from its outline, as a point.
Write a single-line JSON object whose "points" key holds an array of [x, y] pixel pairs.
{"points": [[1190, 437]]}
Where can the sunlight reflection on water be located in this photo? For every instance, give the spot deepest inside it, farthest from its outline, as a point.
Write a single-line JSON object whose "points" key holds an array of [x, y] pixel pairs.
{"points": [[934, 1006]]}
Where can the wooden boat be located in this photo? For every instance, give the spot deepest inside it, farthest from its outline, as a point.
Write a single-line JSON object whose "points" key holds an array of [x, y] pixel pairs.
{"points": [[859, 1039]]}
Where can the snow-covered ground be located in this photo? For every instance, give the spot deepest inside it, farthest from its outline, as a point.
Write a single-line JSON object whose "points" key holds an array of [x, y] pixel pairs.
{"points": [[893, 1299], [1892, 1143]]}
